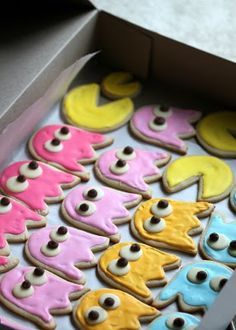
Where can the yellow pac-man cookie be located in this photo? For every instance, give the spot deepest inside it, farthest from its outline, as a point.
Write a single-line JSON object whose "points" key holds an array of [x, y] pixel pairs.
{"points": [[214, 176], [133, 267], [168, 223], [216, 132], [120, 84], [80, 108], [108, 309]]}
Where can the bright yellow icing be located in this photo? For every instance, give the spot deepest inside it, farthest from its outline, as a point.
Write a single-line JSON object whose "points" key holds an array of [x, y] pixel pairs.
{"points": [[178, 223], [148, 267], [216, 130], [81, 109], [124, 317], [120, 84], [217, 176]]}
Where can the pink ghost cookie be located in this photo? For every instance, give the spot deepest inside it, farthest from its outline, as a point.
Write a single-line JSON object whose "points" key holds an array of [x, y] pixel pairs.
{"points": [[7, 264], [164, 126], [131, 169], [67, 147], [62, 250], [35, 183], [8, 324], [37, 294], [15, 218], [98, 209]]}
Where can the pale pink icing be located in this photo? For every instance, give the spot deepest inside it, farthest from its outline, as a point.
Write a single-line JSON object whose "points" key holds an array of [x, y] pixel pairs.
{"points": [[52, 295], [108, 208], [143, 165], [11, 324], [78, 147], [177, 124], [3, 261], [76, 249], [44, 186], [13, 222]]}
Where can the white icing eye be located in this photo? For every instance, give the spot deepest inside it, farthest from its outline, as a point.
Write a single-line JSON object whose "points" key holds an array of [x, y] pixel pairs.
{"points": [[94, 194], [119, 266], [95, 315], [162, 209], [217, 241], [175, 322], [162, 111], [86, 208], [51, 249], [119, 167], [59, 234], [109, 301], [232, 248], [158, 124], [5, 205], [127, 153], [23, 290], [131, 252], [154, 225], [53, 145], [37, 276], [17, 183], [63, 133], [218, 282], [197, 275], [31, 170]]}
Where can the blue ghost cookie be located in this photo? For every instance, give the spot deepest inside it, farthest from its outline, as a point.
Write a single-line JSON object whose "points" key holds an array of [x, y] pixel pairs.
{"points": [[180, 321], [232, 199]]}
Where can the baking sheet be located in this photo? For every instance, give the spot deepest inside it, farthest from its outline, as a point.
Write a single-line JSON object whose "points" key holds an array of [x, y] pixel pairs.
{"points": [[150, 94]]}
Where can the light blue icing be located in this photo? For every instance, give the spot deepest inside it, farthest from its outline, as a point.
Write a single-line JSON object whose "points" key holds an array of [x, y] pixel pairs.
{"points": [[160, 322], [217, 225], [195, 294]]}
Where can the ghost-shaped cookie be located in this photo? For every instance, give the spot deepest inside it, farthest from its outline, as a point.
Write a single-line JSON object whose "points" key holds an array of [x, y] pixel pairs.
{"points": [[63, 250], [131, 169], [164, 126], [195, 286], [111, 310], [11, 325], [35, 183], [7, 263], [67, 147], [134, 267], [175, 321], [37, 294], [98, 209], [169, 223]]}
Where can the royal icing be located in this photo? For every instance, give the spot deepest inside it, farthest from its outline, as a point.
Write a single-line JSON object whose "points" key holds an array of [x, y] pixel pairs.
{"points": [[3, 261], [11, 325], [180, 321], [233, 199]]}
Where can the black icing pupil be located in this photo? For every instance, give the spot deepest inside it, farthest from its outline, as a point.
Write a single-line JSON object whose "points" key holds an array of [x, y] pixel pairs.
{"points": [[178, 322], [159, 121], [135, 248], [232, 245], [62, 230], [21, 178], [164, 108], [93, 315], [55, 142], [120, 163], [162, 204], [33, 165], [5, 201], [26, 285], [122, 262], [128, 150], [92, 193], [155, 220], [213, 237], [64, 130], [222, 282], [38, 271], [201, 275], [52, 245], [109, 301], [84, 207]]}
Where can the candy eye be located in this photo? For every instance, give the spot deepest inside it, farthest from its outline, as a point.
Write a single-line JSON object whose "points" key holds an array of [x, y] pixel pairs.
{"points": [[59, 234], [162, 209], [37, 276], [95, 315], [51, 249], [109, 301], [119, 266], [197, 275], [127, 153], [63, 133], [218, 282], [17, 183], [23, 290], [175, 322], [94, 194], [5, 205], [53, 145], [217, 241], [119, 167], [162, 111], [232, 248], [158, 124], [154, 225], [131, 252], [31, 170], [86, 208]]}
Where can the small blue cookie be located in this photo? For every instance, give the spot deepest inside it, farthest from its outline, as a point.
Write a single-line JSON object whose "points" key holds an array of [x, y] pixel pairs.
{"points": [[232, 199], [180, 321]]}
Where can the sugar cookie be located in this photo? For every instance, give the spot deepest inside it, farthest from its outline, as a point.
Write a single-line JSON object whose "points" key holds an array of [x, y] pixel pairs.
{"points": [[7, 264], [175, 321], [233, 199]]}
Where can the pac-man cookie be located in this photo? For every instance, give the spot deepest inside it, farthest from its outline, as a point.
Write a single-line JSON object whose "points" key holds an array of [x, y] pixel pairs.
{"points": [[111, 310], [35, 183], [175, 321], [168, 223], [232, 199], [98, 209], [6, 324], [7, 263], [120, 84], [164, 126], [195, 286], [67, 147], [216, 133], [215, 177], [131, 169], [63, 250], [36, 294], [134, 267], [80, 108]]}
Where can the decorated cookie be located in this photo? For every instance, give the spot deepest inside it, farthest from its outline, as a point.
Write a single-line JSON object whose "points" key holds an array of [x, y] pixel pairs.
{"points": [[195, 286], [168, 223], [98, 209], [7, 263], [133, 267], [131, 169], [164, 126], [80, 108], [37, 294], [6, 324], [120, 84], [233, 199], [62, 250], [14, 220], [35, 183], [67, 147], [175, 321], [214, 176], [111, 310], [216, 132]]}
